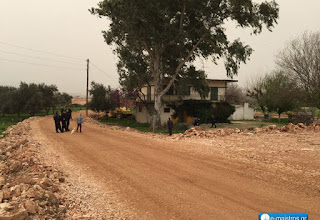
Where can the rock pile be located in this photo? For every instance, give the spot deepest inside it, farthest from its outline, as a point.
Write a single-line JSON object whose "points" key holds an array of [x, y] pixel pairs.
{"points": [[199, 133], [29, 189]]}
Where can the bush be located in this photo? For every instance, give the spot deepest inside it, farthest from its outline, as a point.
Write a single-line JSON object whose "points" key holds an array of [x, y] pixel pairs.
{"points": [[204, 109], [222, 112]]}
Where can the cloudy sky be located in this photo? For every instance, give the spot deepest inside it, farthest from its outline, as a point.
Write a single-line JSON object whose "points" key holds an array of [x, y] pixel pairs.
{"points": [[70, 34]]}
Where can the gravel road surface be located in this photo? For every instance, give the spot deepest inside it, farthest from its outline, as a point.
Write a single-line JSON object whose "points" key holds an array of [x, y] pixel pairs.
{"points": [[145, 177]]}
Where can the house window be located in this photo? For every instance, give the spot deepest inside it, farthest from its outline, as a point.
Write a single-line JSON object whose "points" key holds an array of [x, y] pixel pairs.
{"points": [[149, 93], [214, 94], [140, 108], [167, 110]]}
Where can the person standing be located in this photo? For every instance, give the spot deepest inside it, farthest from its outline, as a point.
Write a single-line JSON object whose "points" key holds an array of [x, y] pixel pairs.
{"points": [[68, 117], [62, 110], [196, 122], [70, 111], [56, 119], [170, 126], [79, 122], [63, 120], [213, 121]]}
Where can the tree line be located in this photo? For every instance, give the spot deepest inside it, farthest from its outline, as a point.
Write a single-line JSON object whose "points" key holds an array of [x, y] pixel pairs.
{"points": [[31, 98]]}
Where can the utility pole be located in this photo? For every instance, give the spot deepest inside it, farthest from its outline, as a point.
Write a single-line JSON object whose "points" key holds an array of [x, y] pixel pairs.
{"points": [[87, 87]]}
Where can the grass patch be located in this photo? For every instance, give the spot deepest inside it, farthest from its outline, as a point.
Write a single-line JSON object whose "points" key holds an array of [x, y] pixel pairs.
{"points": [[144, 127]]}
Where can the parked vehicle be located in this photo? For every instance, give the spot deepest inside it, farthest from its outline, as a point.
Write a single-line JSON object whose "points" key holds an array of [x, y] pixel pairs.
{"points": [[120, 112]]}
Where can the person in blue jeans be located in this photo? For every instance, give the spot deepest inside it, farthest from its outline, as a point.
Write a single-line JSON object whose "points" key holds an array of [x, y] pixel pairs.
{"points": [[79, 122]]}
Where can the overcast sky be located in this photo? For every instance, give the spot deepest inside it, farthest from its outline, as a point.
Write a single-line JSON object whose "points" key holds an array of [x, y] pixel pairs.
{"points": [[66, 29]]}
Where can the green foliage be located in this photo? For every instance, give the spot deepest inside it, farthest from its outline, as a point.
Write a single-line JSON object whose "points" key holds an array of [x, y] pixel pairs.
{"points": [[6, 99], [99, 97], [103, 98], [203, 109], [48, 93], [281, 94]]}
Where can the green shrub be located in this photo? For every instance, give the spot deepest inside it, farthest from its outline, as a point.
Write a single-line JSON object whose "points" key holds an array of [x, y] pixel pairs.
{"points": [[222, 112], [203, 109]]}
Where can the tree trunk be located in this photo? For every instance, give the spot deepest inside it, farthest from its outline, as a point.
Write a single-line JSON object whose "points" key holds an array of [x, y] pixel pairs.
{"points": [[157, 77], [279, 116], [264, 112], [156, 123]]}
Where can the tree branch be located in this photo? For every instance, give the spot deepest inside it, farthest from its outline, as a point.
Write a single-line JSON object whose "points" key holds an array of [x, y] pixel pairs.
{"points": [[150, 54], [180, 66]]}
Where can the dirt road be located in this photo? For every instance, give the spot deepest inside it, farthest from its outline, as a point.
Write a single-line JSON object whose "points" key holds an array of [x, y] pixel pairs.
{"points": [[169, 179]]}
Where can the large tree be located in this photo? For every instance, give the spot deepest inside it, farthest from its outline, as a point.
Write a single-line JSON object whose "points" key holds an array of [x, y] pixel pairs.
{"points": [[99, 101], [280, 93], [48, 92], [160, 40], [300, 59]]}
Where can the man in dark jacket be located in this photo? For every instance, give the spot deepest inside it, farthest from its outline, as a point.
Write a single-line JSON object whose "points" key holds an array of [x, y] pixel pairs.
{"points": [[170, 126], [196, 122], [63, 120], [68, 117], [56, 119], [213, 121]]}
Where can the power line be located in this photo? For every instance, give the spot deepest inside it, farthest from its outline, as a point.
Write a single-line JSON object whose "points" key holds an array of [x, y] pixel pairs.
{"points": [[40, 51], [36, 64], [107, 74], [36, 57]]}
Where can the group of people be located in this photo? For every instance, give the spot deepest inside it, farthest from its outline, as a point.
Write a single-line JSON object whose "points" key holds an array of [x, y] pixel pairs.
{"points": [[195, 123], [62, 121]]}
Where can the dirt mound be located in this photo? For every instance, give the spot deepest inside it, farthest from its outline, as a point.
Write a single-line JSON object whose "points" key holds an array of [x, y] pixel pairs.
{"points": [[199, 133], [29, 188]]}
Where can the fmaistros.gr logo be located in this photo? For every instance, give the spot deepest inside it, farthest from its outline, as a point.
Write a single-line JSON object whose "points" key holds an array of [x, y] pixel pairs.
{"points": [[265, 217], [283, 216]]}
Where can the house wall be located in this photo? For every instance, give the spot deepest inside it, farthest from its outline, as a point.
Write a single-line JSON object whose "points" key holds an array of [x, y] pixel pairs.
{"points": [[144, 117], [243, 112], [193, 94]]}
